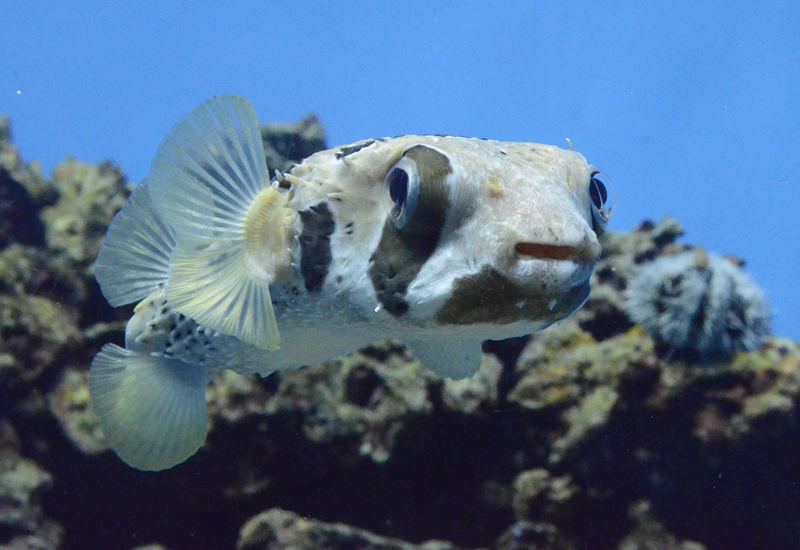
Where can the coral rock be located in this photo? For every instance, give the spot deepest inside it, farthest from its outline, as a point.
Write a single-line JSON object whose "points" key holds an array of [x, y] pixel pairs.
{"points": [[278, 529]]}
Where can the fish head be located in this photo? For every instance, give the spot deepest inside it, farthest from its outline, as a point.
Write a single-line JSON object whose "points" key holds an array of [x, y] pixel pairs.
{"points": [[459, 231]]}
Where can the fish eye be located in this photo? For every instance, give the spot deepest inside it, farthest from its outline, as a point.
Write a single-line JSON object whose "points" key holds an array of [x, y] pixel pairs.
{"points": [[601, 211], [401, 189], [598, 192], [398, 187]]}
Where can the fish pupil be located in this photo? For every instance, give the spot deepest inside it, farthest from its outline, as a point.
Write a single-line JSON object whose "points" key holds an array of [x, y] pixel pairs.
{"points": [[398, 188], [598, 192]]}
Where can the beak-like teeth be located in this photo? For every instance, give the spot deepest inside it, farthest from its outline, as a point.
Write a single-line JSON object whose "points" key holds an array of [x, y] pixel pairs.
{"points": [[586, 254]]}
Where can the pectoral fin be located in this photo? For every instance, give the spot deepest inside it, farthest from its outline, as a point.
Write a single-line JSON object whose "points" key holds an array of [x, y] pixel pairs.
{"points": [[209, 180]]}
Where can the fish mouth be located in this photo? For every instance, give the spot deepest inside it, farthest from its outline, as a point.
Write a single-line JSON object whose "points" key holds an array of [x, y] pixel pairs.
{"points": [[579, 254]]}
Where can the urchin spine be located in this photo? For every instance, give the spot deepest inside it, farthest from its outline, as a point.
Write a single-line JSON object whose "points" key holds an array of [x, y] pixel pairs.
{"points": [[699, 303]]}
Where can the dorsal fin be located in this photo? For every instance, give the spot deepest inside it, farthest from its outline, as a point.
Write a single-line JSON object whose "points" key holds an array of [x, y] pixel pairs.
{"points": [[134, 258]]}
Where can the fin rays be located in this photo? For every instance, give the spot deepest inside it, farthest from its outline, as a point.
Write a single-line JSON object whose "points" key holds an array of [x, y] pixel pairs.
{"points": [[454, 359], [210, 168], [229, 300], [152, 410], [207, 175], [134, 258]]}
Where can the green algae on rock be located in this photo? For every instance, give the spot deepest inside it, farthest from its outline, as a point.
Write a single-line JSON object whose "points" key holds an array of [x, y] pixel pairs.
{"points": [[70, 404], [649, 534], [88, 198], [353, 397], [540, 496]]}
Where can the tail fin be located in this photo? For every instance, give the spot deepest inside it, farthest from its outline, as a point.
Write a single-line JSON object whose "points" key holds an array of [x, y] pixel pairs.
{"points": [[134, 258], [152, 410], [209, 180]]}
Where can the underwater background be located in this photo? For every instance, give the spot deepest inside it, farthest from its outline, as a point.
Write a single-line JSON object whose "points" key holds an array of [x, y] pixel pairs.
{"points": [[627, 426]]}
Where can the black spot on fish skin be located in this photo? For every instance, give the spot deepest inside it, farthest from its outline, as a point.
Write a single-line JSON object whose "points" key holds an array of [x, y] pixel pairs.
{"points": [[315, 245], [402, 252], [350, 149]]}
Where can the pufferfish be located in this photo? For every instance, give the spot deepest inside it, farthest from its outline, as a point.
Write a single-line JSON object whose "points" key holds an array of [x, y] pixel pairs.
{"points": [[438, 241]]}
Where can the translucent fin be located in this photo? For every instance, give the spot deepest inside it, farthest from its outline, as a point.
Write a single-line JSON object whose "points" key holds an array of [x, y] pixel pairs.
{"points": [[134, 258], [209, 180], [152, 410], [454, 359]]}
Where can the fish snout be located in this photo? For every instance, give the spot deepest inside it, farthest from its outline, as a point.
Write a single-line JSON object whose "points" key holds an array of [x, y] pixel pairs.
{"points": [[555, 267]]}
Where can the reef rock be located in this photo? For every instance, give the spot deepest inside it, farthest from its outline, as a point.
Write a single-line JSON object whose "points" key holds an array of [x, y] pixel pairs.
{"points": [[278, 529], [22, 484], [600, 432]]}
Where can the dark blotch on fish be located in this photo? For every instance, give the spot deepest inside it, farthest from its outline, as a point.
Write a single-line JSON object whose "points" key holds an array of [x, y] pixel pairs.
{"points": [[401, 253], [490, 297], [315, 245]]}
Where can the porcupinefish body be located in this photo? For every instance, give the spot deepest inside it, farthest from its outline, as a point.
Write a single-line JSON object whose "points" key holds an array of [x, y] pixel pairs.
{"points": [[438, 241]]}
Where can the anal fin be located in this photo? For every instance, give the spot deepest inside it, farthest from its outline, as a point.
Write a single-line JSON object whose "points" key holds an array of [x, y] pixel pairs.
{"points": [[454, 359]]}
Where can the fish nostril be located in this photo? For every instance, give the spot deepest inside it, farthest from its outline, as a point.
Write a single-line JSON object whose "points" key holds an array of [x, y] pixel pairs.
{"points": [[538, 251]]}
